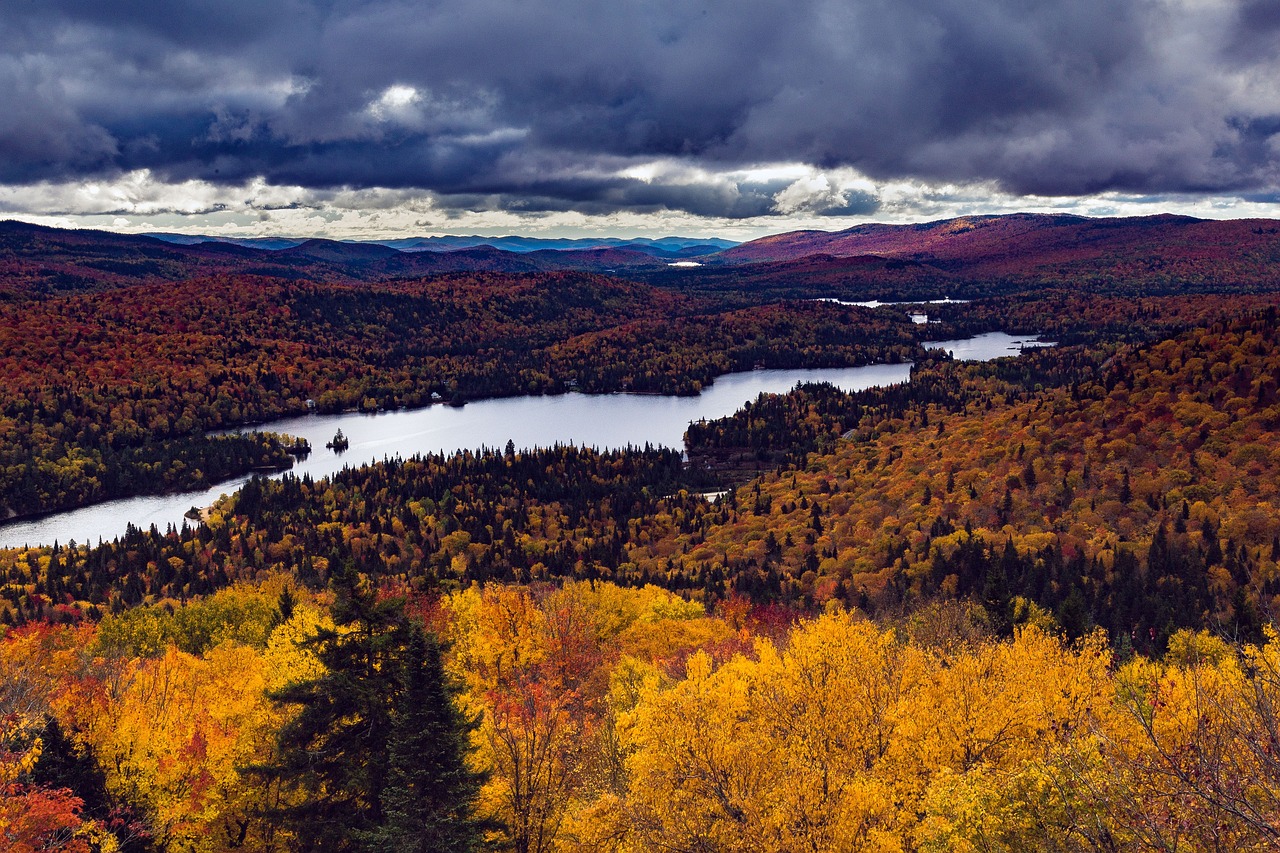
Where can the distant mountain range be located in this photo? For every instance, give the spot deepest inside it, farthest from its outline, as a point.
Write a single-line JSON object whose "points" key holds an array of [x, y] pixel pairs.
{"points": [[36, 259], [664, 247], [968, 257]]}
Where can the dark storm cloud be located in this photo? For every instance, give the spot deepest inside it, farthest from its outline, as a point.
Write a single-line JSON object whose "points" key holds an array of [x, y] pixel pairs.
{"points": [[1256, 31], [603, 196], [541, 104], [857, 204]]}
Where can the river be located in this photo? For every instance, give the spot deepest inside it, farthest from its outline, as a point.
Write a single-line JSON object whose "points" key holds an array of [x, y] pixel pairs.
{"points": [[598, 420]]}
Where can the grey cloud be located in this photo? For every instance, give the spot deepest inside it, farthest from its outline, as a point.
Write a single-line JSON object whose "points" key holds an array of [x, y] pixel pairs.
{"points": [[1035, 96], [855, 204], [605, 196], [40, 133], [1256, 29]]}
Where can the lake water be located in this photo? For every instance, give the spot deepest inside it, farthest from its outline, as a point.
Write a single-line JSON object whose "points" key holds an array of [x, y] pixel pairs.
{"points": [[597, 420], [919, 318], [988, 346], [876, 303]]}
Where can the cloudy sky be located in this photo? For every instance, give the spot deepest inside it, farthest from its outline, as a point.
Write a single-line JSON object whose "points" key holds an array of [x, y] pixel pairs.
{"points": [[370, 118]]}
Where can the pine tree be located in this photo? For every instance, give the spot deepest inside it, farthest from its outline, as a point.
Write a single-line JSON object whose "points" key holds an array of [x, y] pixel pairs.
{"points": [[430, 797]]}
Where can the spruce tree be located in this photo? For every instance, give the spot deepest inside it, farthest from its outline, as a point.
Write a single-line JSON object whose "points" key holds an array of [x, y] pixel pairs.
{"points": [[332, 756], [429, 801], [62, 765], [375, 759]]}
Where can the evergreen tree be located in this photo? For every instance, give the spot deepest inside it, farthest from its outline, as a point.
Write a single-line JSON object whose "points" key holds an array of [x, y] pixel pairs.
{"points": [[62, 765], [430, 796], [1073, 614], [332, 755], [375, 759], [285, 605]]}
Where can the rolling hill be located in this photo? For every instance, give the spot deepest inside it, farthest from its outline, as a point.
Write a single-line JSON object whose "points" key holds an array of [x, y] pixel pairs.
{"points": [[1149, 254], [36, 260]]}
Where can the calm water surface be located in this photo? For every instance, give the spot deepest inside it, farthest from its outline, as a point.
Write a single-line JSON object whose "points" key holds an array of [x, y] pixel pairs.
{"points": [[597, 420], [988, 346]]}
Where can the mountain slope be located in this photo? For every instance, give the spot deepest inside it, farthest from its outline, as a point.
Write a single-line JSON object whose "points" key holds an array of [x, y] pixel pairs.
{"points": [[1156, 253], [1136, 491]]}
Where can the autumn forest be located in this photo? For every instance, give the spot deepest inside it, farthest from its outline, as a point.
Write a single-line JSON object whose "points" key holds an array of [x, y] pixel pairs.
{"points": [[1020, 604]]}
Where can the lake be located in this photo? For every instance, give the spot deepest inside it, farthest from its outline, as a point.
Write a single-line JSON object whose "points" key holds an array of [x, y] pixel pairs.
{"points": [[988, 346], [597, 420]]}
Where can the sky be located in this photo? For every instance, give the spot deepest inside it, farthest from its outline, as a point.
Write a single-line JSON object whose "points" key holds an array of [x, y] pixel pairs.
{"points": [[371, 119]]}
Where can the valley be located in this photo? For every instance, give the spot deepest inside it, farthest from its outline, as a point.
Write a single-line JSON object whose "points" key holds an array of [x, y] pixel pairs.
{"points": [[714, 559]]}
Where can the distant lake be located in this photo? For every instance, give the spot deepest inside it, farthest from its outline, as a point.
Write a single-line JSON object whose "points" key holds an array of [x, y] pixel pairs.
{"points": [[918, 317], [596, 420], [988, 346], [876, 303]]}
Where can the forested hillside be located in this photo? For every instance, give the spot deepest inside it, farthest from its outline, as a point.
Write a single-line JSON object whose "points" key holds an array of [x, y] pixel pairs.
{"points": [[1141, 254], [1131, 488], [1135, 491], [37, 262], [110, 393]]}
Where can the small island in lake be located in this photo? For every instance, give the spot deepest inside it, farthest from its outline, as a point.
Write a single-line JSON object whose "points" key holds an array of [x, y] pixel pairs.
{"points": [[340, 442]]}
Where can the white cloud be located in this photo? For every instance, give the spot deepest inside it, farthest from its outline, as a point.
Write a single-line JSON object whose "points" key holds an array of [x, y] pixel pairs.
{"points": [[810, 194], [396, 103], [138, 202]]}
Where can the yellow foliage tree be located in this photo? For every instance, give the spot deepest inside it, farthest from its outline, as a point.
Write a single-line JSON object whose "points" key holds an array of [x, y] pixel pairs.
{"points": [[175, 738]]}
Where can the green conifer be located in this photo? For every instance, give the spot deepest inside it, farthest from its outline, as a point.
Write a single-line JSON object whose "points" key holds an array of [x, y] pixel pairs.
{"points": [[429, 801], [332, 755]]}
